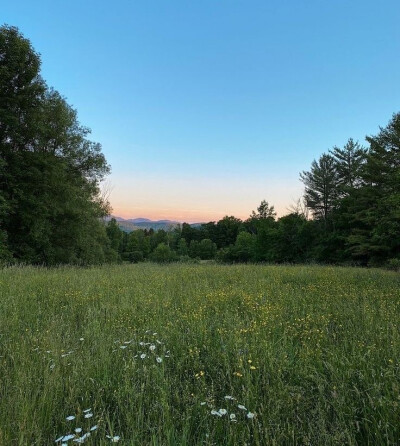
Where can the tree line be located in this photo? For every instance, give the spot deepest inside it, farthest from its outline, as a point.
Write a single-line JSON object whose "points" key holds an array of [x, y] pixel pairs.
{"points": [[352, 194], [52, 212]]}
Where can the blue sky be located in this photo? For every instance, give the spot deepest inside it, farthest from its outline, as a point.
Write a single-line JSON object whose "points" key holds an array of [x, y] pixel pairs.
{"points": [[204, 108]]}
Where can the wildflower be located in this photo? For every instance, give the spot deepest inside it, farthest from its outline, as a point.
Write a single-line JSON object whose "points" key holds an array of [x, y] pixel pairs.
{"points": [[78, 430], [70, 418], [215, 412], [232, 417], [241, 407], [229, 397], [87, 410], [88, 415], [159, 360], [68, 437], [203, 403], [252, 367], [114, 439], [222, 411], [123, 346], [93, 428], [250, 415], [237, 374], [143, 355], [152, 347], [83, 438], [81, 339]]}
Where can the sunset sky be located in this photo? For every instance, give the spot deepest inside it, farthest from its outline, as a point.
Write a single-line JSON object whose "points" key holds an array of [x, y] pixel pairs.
{"points": [[204, 108]]}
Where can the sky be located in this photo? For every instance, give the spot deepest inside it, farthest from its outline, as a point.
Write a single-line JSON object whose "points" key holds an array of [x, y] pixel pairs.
{"points": [[204, 108]]}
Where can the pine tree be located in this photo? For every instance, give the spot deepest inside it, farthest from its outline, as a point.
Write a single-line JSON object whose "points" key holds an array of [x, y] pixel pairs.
{"points": [[321, 187]]}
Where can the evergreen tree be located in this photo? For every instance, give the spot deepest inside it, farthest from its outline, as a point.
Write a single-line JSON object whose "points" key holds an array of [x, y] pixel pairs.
{"points": [[264, 211], [321, 187], [348, 164], [374, 210]]}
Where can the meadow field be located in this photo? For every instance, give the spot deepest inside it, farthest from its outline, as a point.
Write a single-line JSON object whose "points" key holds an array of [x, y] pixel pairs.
{"points": [[199, 355]]}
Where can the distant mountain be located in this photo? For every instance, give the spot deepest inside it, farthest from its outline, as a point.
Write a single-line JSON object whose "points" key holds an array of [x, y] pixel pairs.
{"points": [[139, 220], [132, 224]]}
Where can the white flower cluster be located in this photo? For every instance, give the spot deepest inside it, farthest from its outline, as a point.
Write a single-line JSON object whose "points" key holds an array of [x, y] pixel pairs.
{"points": [[149, 348], [231, 413], [77, 436]]}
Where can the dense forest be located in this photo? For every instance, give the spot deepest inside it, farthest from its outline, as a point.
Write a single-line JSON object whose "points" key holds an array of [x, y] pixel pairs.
{"points": [[52, 212]]}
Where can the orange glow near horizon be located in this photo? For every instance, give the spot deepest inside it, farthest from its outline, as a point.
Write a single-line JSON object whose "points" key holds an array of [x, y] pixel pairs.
{"points": [[198, 200], [182, 215]]}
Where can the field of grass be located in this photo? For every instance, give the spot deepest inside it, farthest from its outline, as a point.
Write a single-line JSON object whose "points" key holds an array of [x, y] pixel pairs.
{"points": [[199, 355]]}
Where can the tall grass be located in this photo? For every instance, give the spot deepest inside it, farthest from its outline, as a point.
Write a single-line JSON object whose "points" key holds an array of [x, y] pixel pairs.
{"points": [[312, 352]]}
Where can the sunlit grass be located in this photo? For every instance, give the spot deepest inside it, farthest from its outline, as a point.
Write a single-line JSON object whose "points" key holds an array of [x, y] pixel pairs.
{"points": [[199, 355]]}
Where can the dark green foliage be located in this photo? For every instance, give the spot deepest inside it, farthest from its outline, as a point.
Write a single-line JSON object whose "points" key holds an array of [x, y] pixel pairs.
{"points": [[349, 163], [363, 210], [50, 208], [264, 211], [204, 250], [163, 254], [136, 256], [321, 186], [294, 237], [115, 235], [182, 248]]}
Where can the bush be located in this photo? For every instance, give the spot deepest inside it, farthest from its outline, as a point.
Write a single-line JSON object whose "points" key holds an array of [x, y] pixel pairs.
{"points": [[163, 254], [394, 264]]}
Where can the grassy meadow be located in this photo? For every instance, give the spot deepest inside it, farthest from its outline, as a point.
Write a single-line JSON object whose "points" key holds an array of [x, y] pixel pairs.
{"points": [[199, 355]]}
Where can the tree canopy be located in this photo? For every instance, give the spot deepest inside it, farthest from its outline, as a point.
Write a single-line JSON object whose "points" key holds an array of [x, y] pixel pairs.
{"points": [[50, 207]]}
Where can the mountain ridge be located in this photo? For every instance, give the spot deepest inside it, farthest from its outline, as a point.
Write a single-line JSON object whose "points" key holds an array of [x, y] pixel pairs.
{"points": [[133, 224]]}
